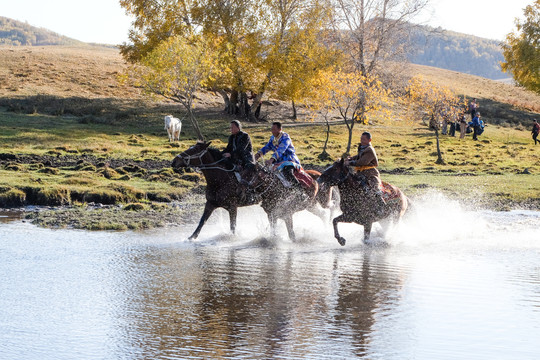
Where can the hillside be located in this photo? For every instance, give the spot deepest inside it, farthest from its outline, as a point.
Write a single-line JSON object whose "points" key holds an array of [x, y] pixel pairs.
{"points": [[459, 52], [16, 33]]}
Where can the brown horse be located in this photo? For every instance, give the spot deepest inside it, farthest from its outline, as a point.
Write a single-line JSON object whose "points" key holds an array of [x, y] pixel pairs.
{"points": [[281, 202], [355, 203], [221, 182]]}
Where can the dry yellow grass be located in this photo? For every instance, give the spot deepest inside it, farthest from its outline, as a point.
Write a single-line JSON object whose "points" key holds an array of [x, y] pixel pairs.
{"points": [[478, 87], [62, 71]]}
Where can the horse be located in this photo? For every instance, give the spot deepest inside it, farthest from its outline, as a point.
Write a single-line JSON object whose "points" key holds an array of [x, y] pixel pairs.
{"points": [[221, 183], [355, 203], [280, 201]]}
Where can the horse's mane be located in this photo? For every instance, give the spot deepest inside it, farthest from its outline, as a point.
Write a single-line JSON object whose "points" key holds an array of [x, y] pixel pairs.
{"points": [[216, 153]]}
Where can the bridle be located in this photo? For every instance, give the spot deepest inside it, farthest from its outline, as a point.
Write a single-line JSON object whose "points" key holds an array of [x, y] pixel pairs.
{"points": [[211, 166]]}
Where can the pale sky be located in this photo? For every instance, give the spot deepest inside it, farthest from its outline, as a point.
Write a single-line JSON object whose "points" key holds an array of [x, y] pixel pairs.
{"points": [[104, 21]]}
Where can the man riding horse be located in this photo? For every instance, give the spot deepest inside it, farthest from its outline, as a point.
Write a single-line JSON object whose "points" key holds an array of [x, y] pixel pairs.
{"points": [[284, 154], [365, 164], [239, 156], [239, 151]]}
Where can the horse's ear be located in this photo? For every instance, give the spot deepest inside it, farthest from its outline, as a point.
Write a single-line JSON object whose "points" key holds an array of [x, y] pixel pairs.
{"points": [[207, 144], [341, 161]]}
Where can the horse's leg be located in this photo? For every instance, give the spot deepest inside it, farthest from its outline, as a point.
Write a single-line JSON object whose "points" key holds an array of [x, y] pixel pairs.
{"points": [[208, 209], [272, 220], [289, 223], [335, 222], [233, 211], [367, 231]]}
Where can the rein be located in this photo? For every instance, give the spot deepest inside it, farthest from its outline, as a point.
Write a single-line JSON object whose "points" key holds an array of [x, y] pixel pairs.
{"points": [[211, 166], [273, 179]]}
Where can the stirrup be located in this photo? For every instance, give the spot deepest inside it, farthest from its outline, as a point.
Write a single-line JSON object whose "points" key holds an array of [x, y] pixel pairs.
{"points": [[238, 177]]}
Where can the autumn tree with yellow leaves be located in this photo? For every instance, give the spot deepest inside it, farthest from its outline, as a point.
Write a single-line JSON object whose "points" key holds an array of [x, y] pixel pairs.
{"points": [[176, 69], [521, 49], [354, 96], [434, 103], [263, 46]]}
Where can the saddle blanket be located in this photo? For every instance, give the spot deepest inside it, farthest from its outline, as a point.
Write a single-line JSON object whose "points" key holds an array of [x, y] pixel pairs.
{"points": [[389, 192], [303, 177]]}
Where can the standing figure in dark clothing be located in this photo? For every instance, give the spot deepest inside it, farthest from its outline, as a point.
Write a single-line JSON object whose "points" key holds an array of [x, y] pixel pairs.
{"points": [[535, 131]]}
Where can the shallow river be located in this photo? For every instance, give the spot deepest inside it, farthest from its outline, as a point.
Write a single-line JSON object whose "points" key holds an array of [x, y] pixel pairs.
{"points": [[449, 284]]}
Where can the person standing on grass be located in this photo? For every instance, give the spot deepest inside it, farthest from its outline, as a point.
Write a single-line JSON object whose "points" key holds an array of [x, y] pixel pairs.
{"points": [[535, 131], [462, 127], [473, 106], [477, 125]]}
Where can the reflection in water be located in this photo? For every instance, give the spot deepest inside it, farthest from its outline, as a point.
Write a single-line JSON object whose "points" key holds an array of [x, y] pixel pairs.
{"points": [[152, 295]]}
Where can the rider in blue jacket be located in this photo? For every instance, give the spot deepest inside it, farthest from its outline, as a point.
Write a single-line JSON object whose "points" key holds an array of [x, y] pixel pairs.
{"points": [[280, 143]]}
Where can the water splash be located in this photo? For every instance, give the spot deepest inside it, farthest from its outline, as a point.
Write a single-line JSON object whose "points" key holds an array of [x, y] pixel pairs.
{"points": [[434, 220]]}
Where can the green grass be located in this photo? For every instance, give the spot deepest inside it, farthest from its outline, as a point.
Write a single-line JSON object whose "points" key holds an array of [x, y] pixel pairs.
{"points": [[497, 161]]}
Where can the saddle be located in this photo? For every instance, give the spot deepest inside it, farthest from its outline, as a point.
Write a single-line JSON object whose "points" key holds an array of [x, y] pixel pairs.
{"points": [[304, 179], [389, 192]]}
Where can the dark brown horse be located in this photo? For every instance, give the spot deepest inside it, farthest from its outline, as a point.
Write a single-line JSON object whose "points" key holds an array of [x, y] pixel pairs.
{"points": [[355, 203], [221, 182], [281, 202]]}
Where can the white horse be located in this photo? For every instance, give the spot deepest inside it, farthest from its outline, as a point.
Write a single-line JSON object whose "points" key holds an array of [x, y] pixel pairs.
{"points": [[173, 127]]}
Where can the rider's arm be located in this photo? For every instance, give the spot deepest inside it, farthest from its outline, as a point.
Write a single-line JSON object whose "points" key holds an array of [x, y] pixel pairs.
{"points": [[266, 148]]}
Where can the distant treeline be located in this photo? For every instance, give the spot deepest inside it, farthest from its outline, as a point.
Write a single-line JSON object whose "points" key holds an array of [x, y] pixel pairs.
{"points": [[16, 33], [459, 52]]}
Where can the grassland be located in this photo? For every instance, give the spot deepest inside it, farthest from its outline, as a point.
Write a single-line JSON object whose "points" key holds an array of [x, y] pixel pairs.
{"points": [[70, 134]]}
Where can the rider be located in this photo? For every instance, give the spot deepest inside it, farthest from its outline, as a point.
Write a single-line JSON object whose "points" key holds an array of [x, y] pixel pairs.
{"points": [[280, 143], [239, 150], [365, 164], [239, 156]]}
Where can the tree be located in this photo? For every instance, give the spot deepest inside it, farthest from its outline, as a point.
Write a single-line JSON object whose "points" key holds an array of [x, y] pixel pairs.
{"points": [[354, 96], [374, 32], [176, 69], [521, 49], [434, 103], [254, 39]]}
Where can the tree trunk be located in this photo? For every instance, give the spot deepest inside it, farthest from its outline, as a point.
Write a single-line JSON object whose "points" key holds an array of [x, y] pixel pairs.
{"points": [[440, 159], [226, 100], [243, 106], [324, 155], [195, 124], [255, 109], [294, 116], [233, 108], [350, 127]]}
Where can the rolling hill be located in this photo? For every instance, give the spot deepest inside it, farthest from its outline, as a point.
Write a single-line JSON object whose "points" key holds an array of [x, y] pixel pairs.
{"points": [[458, 52], [16, 33]]}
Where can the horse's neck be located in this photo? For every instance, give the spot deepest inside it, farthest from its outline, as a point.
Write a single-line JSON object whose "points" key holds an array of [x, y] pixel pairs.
{"points": [[216, 176], [352, 191]]}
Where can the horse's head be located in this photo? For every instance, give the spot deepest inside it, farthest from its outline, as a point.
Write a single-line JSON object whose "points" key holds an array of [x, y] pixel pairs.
{"points": [[195, 156], [335, 174]]}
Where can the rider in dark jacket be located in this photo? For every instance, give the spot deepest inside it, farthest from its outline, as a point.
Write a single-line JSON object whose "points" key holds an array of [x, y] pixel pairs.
{"points": [[239, 150]]}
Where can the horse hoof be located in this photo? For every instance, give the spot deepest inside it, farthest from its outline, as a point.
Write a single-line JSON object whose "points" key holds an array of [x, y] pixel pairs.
{"points": [[341, 241]]}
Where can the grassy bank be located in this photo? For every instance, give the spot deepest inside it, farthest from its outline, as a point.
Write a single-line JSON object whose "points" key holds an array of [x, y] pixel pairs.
{"points": [[60, 160]]}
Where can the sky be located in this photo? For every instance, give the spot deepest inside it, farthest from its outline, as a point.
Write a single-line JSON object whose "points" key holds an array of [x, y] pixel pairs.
{"points": [[105, 22]]}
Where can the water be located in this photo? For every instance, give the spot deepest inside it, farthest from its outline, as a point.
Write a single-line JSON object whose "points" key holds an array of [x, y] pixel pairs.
{"points": [[449, 284]]}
